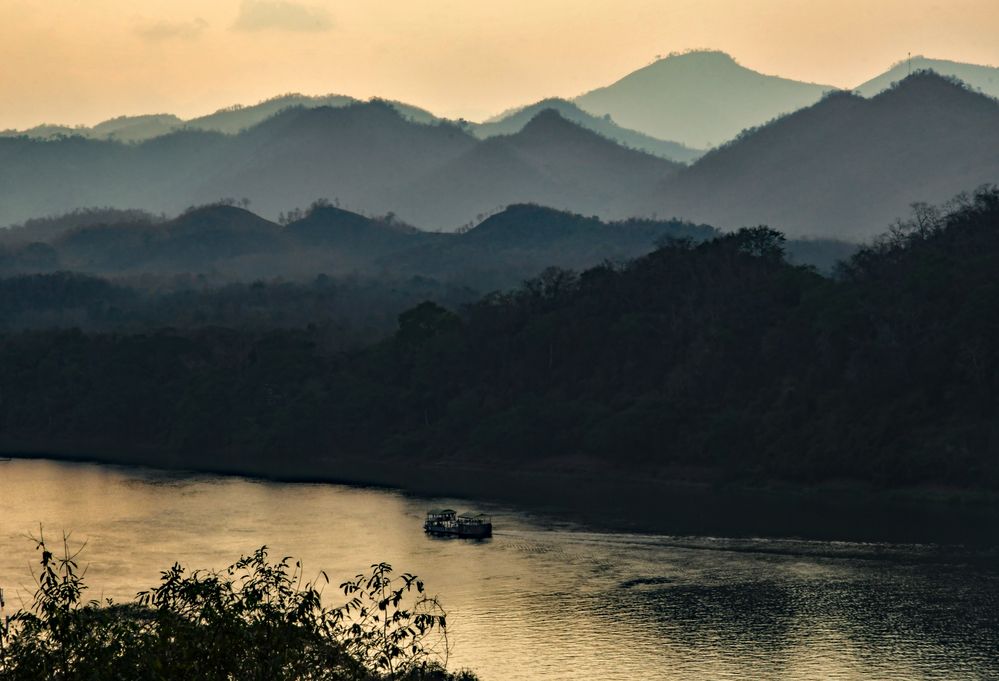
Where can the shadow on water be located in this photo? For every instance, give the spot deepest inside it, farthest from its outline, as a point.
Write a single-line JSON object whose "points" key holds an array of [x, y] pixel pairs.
{"points": [[871, 628]]}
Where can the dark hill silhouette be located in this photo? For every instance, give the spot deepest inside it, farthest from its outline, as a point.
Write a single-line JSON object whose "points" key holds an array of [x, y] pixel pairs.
{"points": [[359, 153], [699, 98], [49, 228], [329, 239], [514, 121], [332, 226], [524, 225], [195, 241], [847, 166], [369, 156], [231, 243], [355, 152], [551, 161], [984, 79], [524, 239]]}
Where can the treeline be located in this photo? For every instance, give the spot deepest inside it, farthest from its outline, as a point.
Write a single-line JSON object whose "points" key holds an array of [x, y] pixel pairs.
{"points": [[711, 359], [225, 243], [349, 311]]}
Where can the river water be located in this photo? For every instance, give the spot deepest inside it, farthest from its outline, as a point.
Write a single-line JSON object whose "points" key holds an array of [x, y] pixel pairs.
{"points": [[541, 600]]}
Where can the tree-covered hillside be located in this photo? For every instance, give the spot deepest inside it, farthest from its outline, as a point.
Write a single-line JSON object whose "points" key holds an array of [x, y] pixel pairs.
{"points": [[224, 243], [712, 359]]}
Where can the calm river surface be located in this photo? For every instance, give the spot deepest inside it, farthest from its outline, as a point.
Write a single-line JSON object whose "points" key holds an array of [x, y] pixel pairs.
{"points": [[540, 600]]}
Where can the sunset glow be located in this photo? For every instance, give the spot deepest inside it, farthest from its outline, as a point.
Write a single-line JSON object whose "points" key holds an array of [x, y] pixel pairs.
{"points": [[79, 63]]}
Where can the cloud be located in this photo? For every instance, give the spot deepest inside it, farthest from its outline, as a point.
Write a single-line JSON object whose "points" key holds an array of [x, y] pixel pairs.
{"points": [[172, 30], [283, 15]]}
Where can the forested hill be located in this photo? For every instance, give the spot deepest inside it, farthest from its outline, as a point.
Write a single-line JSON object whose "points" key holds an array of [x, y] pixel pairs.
{"points": [[229, 243], [707, 360]]}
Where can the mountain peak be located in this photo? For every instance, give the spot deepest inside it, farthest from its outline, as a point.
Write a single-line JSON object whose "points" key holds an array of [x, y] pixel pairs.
{"points": [[700, 98], [927, 86], [984, 79], [698, 57], [221, 213], [550, 123], [521, 223]]}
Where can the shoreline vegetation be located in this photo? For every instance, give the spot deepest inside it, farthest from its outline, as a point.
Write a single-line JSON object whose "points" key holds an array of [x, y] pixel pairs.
{"points": [[708, 386]]}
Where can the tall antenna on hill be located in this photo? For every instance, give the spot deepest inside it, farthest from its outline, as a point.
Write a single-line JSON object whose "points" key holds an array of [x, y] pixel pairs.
{"points": [[910, 63]]}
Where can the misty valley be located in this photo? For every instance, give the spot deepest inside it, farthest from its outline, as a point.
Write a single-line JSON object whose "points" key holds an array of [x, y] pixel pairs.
{"points": [[714, 353]]}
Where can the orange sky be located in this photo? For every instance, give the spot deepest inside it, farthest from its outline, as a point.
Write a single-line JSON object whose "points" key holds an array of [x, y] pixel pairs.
{"points": [[81, 61]]}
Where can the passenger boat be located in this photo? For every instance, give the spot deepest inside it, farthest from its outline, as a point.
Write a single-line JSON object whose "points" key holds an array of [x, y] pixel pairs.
{"points": [[448, 523]]}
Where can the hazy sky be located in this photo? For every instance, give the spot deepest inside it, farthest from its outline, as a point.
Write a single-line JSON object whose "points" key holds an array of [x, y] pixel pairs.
{"points": [[80, 61]]}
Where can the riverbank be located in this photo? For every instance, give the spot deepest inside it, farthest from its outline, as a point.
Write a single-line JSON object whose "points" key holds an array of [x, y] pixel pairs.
{"points": [[612, 501]]}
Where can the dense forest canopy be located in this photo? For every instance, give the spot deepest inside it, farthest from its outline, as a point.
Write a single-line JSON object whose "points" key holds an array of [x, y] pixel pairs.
{"points": [[229, 243], [700, 359], [106, 269]]}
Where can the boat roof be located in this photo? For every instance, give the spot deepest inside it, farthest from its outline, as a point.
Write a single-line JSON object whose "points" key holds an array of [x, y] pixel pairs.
{"points": [[441, 511]]}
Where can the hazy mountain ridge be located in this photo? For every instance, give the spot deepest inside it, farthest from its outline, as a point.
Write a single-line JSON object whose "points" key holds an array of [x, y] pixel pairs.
{"points": [[847, 166], [843, 168], [551, 161], [982, 78], [513, 121], [229, 120], [367, 155], [700, 98]]}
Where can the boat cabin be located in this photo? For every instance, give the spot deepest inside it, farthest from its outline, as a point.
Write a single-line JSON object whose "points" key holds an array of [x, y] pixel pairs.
{"points": [[449, 523], [441, 515]]}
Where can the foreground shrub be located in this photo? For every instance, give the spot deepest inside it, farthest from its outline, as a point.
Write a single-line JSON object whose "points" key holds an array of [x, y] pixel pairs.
{"points": [[256, 619]]}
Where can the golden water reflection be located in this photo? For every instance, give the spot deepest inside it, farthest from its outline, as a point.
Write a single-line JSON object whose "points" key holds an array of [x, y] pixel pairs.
{"points": [[540, 600]]}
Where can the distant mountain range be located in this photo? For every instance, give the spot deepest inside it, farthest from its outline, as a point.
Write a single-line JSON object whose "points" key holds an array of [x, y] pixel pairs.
{"points": [[984, 79], [230, 120], [367, 155], [847, 166], [513, 121], [673, 108], [236, 119], [700, 98]]}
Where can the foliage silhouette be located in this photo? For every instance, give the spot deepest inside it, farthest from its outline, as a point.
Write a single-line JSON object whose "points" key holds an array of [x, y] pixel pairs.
{"points": [[714, 360], [256, 619]]}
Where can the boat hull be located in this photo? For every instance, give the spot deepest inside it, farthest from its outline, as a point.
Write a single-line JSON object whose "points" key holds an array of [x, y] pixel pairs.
{"points": [[483, 531]]}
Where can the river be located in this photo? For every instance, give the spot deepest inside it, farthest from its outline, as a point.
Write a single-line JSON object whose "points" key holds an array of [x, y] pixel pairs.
{"points": [[541, 599]]}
